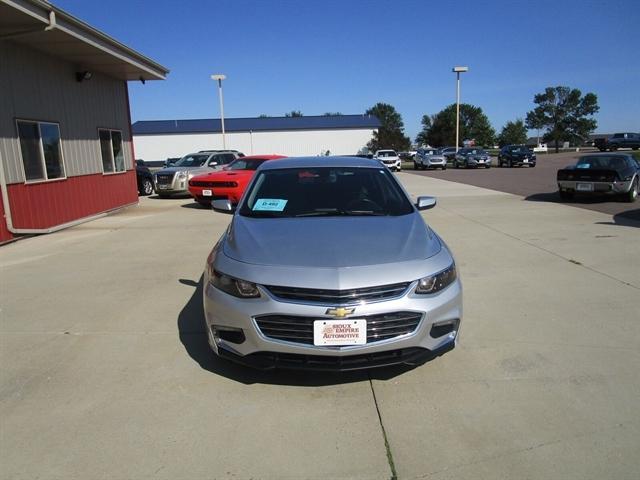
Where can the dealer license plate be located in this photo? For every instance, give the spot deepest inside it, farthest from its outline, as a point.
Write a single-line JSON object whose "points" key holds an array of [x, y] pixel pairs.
{"points": [[584, 187], [339, 332], [163, 187], [206, 193]]}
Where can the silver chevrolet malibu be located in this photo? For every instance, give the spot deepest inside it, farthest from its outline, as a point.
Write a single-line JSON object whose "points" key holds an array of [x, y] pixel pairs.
{"points": [[327, 265]]}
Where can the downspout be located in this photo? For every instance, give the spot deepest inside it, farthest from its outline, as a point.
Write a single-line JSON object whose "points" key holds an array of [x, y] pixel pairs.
{"points": [[52, 22]]}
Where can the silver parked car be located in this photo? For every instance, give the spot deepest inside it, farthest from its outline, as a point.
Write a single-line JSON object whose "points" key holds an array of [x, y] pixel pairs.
{"points": [[175, 179], [429, 158], [327, 265]]}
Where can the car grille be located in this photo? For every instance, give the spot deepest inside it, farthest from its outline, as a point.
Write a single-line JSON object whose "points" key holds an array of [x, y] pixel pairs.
{"points": [[339, 297], [164, 178], [200, 183], [297, 329]]}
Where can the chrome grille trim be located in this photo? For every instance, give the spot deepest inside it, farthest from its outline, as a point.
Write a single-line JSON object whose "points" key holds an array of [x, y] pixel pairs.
{"points": [[299, 329], [352, 296], [164, 178]]}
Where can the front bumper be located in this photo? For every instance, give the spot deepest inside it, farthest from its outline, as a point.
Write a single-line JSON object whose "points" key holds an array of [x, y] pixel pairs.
{"points": [[274, 360], [612, 188], [434, 163], [392, 163], [521, 162], [257, 350], [473, 162], [217, 193]]}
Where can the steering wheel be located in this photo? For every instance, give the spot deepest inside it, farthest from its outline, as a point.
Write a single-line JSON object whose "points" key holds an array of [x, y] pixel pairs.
{"points": [[363, 204]]}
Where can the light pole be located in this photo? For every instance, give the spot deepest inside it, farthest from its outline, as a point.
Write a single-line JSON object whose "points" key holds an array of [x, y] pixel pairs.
{"points": [[219, 77], [458, 71]]}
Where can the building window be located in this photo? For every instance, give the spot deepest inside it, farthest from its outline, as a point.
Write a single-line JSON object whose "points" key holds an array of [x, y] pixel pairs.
{"points": [[41, 150], [112, 151]]}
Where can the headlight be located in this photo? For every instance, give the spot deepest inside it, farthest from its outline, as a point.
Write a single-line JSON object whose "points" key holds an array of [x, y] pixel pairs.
{"points": [[233, 286], [437, 282], [182, 176]]}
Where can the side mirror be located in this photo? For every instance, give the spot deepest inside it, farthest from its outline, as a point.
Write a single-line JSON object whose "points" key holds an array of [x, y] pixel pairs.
{"points": [[425, 203], [212, 164], [223, 206]]}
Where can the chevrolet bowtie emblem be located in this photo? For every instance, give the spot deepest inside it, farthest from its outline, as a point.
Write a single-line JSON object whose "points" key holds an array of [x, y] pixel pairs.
{"points": [[340, 312]]}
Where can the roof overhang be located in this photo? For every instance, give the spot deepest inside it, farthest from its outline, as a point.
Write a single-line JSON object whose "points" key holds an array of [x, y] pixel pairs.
{"points": [[40, 25]]}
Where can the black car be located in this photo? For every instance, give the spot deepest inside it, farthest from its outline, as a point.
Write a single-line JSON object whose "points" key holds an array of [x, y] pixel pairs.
{"points": [[601, 174], [516, 155], [145, 178]]}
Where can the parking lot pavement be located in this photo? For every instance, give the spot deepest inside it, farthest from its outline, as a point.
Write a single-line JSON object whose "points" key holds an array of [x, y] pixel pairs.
{"points": [[106, 373], [544, 382]]}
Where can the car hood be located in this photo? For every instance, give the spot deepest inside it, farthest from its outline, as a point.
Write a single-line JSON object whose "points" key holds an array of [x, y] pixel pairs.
{"points": [[330, 242], [184, 169]]}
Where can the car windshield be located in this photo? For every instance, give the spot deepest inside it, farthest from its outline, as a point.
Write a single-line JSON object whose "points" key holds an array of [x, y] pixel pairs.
{"points": [[472, 151], [431, 152], [325, 191], [519, 149], [246, 164], [387, 153], [191, 161], [602, 161]]}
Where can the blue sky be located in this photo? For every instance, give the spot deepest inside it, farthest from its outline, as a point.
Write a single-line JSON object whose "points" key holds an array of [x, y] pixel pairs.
{"points": [[329, 55]]}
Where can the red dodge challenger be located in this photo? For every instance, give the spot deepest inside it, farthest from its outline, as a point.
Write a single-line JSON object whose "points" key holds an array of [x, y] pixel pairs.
{"points": [[229, 183]]}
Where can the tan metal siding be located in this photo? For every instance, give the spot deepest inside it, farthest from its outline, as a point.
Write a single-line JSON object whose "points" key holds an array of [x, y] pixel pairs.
{"points": [[37, 86]]}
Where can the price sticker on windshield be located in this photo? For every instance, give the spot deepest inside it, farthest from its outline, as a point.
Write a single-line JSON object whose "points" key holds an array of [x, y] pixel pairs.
{"points": [[269, 205]]}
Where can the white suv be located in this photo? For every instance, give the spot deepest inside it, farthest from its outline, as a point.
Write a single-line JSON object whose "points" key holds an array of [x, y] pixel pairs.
{"points": [[389, 158]]}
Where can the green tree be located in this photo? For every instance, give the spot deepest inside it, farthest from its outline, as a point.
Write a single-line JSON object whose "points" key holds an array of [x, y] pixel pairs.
{"points": [[513, 133], [421, 138], [391, 131], [331, 114], [474, 125], [263, 115], [564, 113], [294, 113]]}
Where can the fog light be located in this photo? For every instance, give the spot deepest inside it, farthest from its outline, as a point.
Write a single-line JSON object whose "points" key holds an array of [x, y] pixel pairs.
{"points": [[228, 334], [448, 327]]}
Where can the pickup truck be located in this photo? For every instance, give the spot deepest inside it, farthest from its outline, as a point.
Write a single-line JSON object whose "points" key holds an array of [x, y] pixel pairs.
{"points": [[618, 140]]}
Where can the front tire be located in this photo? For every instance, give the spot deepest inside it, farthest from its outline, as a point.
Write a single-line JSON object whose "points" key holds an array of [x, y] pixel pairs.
{"points": [[632, 194], [147, 187]]}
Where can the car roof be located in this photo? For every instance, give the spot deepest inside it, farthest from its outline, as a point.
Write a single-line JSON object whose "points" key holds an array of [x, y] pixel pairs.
{"points": [[313, 162]]}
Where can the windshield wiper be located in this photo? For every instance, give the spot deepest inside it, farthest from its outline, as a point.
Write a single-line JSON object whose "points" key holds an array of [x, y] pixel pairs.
{"points": [[363, 213], [320, 212]]}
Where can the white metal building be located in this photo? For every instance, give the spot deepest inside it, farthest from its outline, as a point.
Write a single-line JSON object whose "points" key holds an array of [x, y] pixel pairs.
{"points": [[294, 136]]}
